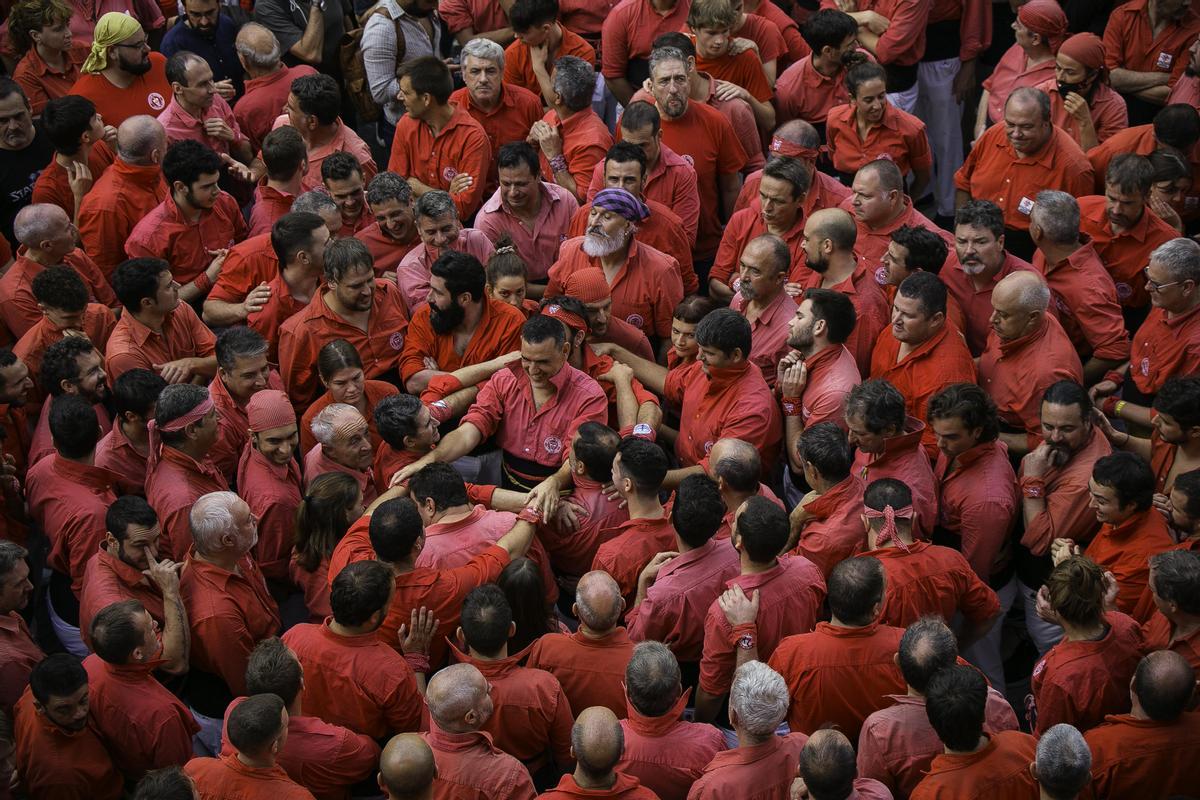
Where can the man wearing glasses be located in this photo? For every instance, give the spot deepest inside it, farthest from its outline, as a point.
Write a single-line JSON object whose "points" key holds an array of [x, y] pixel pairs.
{"points": [[204, 30], [121, 76]]}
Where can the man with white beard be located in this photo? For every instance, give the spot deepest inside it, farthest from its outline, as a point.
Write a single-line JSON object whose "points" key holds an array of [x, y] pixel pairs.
{"points": [[979, 263], [646, 283]]}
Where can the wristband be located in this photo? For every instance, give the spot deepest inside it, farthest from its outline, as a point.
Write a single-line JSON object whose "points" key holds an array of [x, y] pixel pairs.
{"points": [[1109, 406], [530, 515], [1120, 405], [1116, 377], [1033, 488], [792, 407], [744, 636], [418, 661], [558, 164], [202, 283]]}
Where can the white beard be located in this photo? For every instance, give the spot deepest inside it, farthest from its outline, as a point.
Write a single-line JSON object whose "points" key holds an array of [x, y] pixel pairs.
{"points": [[600, 245]]}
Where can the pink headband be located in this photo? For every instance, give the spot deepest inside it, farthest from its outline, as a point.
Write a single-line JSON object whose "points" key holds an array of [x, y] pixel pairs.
{"points": [[179, 423], [888, 532]]}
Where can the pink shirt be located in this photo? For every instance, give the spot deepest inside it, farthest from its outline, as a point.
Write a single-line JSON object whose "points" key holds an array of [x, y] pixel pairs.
{"points": [[453, 544], [412, 274], [671, 181], [572, 552], [1010, 74], [832, 373], [978, 501], [343, 139], [769, 768], [317, 463], [666, 753], [769, 332], [676, 603], [182, 125], [903, 458], [537, 245]]}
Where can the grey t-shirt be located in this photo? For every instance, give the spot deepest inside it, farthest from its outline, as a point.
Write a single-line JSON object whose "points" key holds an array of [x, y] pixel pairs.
{"points": [[287, 19]]}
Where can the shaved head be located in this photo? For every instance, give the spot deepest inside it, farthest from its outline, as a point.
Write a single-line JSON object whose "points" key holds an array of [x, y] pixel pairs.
{"points": [[827, 764], [1163, 685], [258, 45], [835, 224], [458, 699], [598, 601], [736, 463], [38, 222], [597, 741], [406, 767], [1024, 289], [138, 138]]}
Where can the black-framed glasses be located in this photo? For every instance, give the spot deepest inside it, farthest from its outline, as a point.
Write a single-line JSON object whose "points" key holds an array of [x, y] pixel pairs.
{"points": [[1154, 285]]}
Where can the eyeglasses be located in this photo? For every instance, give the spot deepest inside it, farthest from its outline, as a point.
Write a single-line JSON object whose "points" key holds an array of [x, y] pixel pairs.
{"points": [[1155, 286], [144, 44]]}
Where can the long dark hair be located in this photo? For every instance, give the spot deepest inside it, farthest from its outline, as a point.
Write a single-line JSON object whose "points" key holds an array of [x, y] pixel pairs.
{"points": [[323, 517], [522, 583]]}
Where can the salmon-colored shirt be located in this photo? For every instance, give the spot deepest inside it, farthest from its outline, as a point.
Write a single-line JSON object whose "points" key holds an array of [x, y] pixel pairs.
{"points": [[905, 459], [116, 453], [1011, 73], [165, 233], [900, 137], [453, 544], [571, 552], [19, 309], [68, 500], [344, 140], [265, 99], [1106, 108], [832, 373], [53, 185], [1000, 771], [743, 227], [671, 182], [107, 580], [227, 776], [509, 121], [585, 141], [147, 94], [731, 403], [118, 200], [498, 332], [317, 462], [269, 205], [1017, 373], [629, 32], [978, 502], [976, 304], [769, 768], [1125, 551], [667, 754], [537, 244], [1068, 514], [994, 171], [932, 580], [233, 425], [1124, 255], [1131, 43], [134, 345], [386, 252], [412, 274], [469, 765], [1165, 346], [835, 530], [18, 656], [41, 83], [180, 124], [56, 763], [177, 481], [791, 595], [803, 93], [273, 493], [42, 443], [461, 146], [636, 542], [770, 331], [1134, 757], [590, 671], [374, 392]]}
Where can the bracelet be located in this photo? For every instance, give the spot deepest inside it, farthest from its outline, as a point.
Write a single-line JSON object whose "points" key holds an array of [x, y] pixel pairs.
{"points": [[1109, 406], [558, 164], [1116, 377], [531, 515], [202, 283], [419, 662], [792, 407], [743, 635], [1119, 406]]}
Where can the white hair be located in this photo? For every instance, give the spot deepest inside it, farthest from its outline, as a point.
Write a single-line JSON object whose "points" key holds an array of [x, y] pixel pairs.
{"points": [[759, 697], [322, 424], [1064, 761], [210, 518], [1057, 213], [1180, 258], [485, 49]]}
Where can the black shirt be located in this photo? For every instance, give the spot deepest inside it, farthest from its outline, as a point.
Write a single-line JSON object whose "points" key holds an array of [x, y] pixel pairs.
{"points": [[18, 171]]}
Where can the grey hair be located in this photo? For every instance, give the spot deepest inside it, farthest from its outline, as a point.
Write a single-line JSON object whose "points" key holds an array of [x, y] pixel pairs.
{"points": [[210, 517], [10, 554], [1057, 213], [1030, 94], [35, 222], [388, 186], [661, 55], [435, 204], [261, 60], [485, 49], [137, 137], [1035, 295], [652, 678], [574, 82], [759, 697], [1064, 762], [1179, 257], [322, 424], [314, 201]]}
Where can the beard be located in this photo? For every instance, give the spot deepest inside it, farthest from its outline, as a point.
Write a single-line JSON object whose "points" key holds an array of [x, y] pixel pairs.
{"points": [[598, 244], [973, 268], [139, 67], [443, 321], [819, 265]]}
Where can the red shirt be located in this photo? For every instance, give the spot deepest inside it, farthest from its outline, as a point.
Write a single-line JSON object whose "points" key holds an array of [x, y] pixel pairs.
{"points": [[264, 100], [822, 692], [413, 271], [107, 580], [317, 462], [675, 604], [873, 242], [229, 613], [1163, 346], [118, 455], [769, 768], [591, 671], [171, 488], [932, 580], [518, 66], [630, 30], [509, 121], [41, 83], [98, 324], [232, 425], [663, 230], [273, 493], [42, 444], [54, 187], [667, 754], [825, 192], [303, 335], [897, 744], [461, 146], [537, 244], [248, 264], [835, 531], [671, 182], [743, 227], [904, 459], [314, 585], [344, 140], [386, 252], [357, 682], [978, 502], [1134, 757], [645, 290], [1018, 372], [767, 35], [939, 361], [269, 205], [1131, 43], [832, 373], [165, 233], [281, 306], [803, 93], [744, 70], [325, 759], [1106, 108], [571, 552], [531, 720], [1125, 551], [797, 48], [134, 345], [498, 332], [469, 765], [144, 726], [61, 764], [148, 94], [729, 403], [1011, 73], [1068, 514], [1124, 255], [637, 541], [976, 304], [1087, 303], [1000, 771], [227, 776], [791, 595], [18, 656], [994, 171], [19, 309], [903, 43], [900, 137], [68, 500], [1159, 634], [118, 200], [374, 392], [871, 308]]}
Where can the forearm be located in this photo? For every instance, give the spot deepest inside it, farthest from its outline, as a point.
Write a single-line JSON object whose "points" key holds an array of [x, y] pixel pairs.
{"points": [[676, 476], [419, 380], [649, 413], [920, 182], [707, 705], [1017, 443], [1129, 81], [1157, 95], [764, 115], [626, 405], [1087, 133], [460, 401], [545, 84], [653, 376], [793, 426], [1138, 415], [518, 539], [418, 187], [565, 179], [981, 114], [454, 445], [621, 89], [311, 42], [731, 185], [868, 40], [1095, 368], [190, 293], [219, 314], [507, 500], [176, 638]]}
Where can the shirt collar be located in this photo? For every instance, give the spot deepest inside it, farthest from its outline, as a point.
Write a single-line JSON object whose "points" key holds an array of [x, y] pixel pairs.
{"points": [[130, 576], [95, 478], [748, 582], [661, 725], [826, 505]]}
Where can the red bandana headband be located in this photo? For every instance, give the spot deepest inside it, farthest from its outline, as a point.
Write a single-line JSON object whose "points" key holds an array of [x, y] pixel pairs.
{"points": [[888, 532]]}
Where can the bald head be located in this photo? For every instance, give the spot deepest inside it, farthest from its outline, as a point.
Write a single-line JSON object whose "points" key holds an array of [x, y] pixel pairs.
{"points": [[406, 767], [139, 139], [834, 224], [1025, 289], [257, 47], [36, 223], [597, 741], [799, 132], [736, 465], [1163, 685], [598, 602], [827, 764], [458, 699]]}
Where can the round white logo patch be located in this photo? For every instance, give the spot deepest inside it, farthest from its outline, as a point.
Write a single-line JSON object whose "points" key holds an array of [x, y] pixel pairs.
{"points": [[156, 101], [396, 341], [635, 320], [552, 444]]}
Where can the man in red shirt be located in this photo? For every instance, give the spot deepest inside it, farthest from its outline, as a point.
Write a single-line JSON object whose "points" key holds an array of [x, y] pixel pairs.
{"points": [[394, 233], [921, 352], [17, 647], [460, 704], [571, 137], [675, 591], [791, 590], [439, 229], [352, 677], [628, 35], [342, 178], [597, 744], [268, 81], [195, 224], [125, 449], [1145, 48], [143, 725], [1088, 303], [827, 523], [313, 104], [591, 288], [737, 467], [1174, 585], [897, 744], [541, 40], [1151, 748], [590, 663], [127, 191], [258, 731], [57, 753], [740, 74], [70, 366], [1015, 159], [439, 145], [809, 88], [242, 370], [118, 568], [77, 132], [814, 664], [353, 305], [758, 702], [974, 763], [531, 720], [343, 445], [460, 326], [122, 75], [664, 752], [881, 207]]}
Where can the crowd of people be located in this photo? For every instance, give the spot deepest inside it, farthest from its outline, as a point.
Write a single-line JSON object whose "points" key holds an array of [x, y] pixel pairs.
{"points": [[710, 400]]}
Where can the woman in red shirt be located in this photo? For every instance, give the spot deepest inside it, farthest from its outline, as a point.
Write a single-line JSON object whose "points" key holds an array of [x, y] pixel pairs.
{"points": [[340, 369], [41, 30], [333, 502]]}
